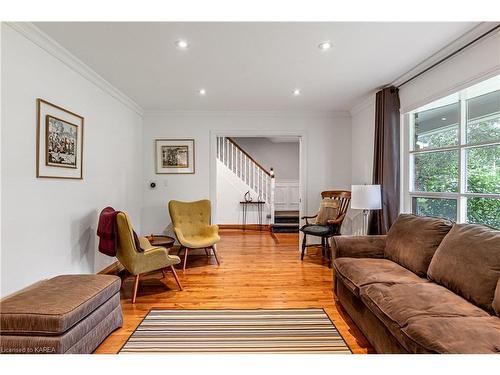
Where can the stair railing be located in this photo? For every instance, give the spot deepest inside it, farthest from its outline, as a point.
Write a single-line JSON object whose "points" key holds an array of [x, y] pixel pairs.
{"points": [[247, 169]]}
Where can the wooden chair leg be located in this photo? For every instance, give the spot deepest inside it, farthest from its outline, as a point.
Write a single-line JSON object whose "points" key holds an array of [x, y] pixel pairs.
{"points": [[329, 253], [303, 247], [176, 278], [206, 252], [136, 286], [215, 254], [185, 259]]}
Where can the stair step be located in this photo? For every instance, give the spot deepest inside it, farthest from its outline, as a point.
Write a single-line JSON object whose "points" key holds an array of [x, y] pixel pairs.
{"points": [[286, 219], [285, 228], [286, 213]]}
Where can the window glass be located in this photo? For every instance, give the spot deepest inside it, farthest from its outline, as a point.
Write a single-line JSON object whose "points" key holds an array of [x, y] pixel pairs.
{"points": [[435, 207], [483, 169], [436, 171], [437, 127], [484, 211], [483, 118]]}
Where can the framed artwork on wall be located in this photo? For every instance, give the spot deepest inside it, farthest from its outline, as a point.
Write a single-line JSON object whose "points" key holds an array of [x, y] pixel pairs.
{"points": [[59, 142], [174, 156]]}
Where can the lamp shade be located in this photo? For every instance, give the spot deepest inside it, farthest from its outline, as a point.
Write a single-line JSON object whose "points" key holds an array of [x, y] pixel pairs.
{"points": [[366, 197]]}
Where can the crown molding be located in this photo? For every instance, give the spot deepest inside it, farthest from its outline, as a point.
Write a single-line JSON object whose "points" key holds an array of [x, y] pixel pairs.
{"points": [[458, 43], [247, 113], [42, 40]]}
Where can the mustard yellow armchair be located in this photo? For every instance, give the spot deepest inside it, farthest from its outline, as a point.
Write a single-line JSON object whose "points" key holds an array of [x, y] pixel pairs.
{"points": [[138, 263], [191, 224]]}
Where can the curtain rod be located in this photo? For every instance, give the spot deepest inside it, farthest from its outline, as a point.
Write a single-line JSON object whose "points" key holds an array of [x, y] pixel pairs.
{"points": [[449, 56]]}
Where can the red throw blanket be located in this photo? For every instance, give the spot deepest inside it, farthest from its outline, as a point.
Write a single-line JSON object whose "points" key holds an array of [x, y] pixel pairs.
{"points": [[108, 232]]}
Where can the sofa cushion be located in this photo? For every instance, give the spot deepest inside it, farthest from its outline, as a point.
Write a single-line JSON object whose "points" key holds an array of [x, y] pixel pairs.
{"points": [[412, 241], [53, 306], [496, 300], [473, 335], [398, 303], [358, 272], [468, 263]]}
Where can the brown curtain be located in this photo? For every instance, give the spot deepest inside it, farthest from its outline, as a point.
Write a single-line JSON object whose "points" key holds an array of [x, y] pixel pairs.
{"points": [[386, 163]]}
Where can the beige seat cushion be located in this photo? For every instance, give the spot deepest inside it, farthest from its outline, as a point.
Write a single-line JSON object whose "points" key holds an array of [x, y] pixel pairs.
{"points": [[53, 306], [413, 240], [328, 210], [358, 272], [462, 335], [468, 263]]}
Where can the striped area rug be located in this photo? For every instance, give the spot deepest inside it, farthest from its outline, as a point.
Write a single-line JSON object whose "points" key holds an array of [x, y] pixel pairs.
{"points": [[236, 331]]}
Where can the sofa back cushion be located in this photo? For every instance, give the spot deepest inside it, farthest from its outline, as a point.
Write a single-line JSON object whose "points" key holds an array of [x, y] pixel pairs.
{"points": [[496, 299], [413, 240], [468, 263]]}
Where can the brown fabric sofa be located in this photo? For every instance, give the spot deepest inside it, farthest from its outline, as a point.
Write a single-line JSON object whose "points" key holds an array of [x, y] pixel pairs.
{"points": [[428, 286]]}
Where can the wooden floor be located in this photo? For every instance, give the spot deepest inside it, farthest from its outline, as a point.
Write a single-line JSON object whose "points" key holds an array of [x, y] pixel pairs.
{"points": [[258, 270]]}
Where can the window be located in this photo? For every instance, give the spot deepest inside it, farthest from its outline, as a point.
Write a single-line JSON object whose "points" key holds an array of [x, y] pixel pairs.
{"points": [[453, 156]]}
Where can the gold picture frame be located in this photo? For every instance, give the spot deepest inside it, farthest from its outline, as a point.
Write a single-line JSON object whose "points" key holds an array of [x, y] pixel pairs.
{"points": [[55, 152], [174, 156]]}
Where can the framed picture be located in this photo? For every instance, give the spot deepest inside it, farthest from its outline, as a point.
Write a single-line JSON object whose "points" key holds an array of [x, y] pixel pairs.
{"points": [[174, 156], [59, 142]]}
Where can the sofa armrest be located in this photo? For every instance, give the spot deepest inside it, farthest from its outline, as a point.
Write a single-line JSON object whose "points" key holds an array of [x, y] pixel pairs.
{"points": [[358, 246]]}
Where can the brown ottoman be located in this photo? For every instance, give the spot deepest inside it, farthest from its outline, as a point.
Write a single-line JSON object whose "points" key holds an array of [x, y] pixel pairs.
{"points": [[66, 314]]}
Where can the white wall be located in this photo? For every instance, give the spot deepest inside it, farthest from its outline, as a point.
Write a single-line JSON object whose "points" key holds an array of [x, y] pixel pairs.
{"points": [[282, 156], [230, 191], [48, 225], [328, 153], [363, 130]]}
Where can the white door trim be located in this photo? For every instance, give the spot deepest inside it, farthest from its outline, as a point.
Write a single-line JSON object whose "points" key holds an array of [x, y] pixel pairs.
{"points": [[301, 135]]}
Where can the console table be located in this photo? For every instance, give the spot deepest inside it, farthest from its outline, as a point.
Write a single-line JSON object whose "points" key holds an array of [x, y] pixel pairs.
{"points": [[260, 206]]}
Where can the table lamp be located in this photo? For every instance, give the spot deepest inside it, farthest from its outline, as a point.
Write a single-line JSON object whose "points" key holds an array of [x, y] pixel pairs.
{"points": [[366, 198]]}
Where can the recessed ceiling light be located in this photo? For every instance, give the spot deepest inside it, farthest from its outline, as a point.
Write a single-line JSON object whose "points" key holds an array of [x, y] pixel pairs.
{"points": [[325, 45], [202, 92], [443, 118], [296, 92], [182, 44]]}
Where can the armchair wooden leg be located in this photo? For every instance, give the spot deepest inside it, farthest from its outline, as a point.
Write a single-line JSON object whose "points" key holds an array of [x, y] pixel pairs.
{"points": [[136, 286], [215, 254], [206, 252], [303, 247], [329, 253], [176, 278], [185, 259]]}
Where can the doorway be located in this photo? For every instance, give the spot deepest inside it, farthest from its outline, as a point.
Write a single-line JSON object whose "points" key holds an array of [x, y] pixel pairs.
{"points": [[255, 168]]}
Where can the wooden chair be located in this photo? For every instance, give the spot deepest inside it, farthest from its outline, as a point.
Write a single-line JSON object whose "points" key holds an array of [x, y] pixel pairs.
{"points": [[333, 226]]}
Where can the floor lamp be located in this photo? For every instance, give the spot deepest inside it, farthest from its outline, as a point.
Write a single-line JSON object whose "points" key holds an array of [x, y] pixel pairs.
{"points": [[366, 198]]}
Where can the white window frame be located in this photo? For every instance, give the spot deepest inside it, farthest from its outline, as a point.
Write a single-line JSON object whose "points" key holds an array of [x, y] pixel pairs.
{"points": [[407, 172]]}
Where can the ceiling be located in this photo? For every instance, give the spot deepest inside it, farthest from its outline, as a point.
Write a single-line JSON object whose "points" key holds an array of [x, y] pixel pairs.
{"points": [[252, 66]]}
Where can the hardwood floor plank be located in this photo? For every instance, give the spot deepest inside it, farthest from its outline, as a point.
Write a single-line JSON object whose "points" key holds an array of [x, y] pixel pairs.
{"points": [[258, 270]]}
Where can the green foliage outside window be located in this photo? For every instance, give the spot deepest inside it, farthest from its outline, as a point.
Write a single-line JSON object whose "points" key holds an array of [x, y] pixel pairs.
{"points": [[439, 172]]}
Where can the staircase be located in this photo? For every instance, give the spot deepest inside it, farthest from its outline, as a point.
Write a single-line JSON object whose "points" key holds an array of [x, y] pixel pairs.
{"points": [[259, 181], [286, 222]]}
